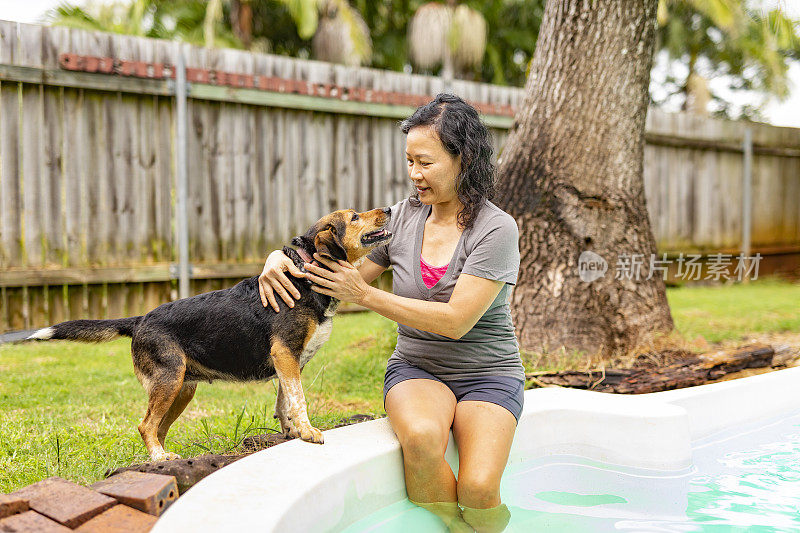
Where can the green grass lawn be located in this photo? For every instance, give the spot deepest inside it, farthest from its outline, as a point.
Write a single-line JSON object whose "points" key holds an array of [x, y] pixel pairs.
{"points": [[71, 409], [732, 312]]}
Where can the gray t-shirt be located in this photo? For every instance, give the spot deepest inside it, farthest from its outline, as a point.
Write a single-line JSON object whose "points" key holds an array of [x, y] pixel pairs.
{"points": [[490, 250]]}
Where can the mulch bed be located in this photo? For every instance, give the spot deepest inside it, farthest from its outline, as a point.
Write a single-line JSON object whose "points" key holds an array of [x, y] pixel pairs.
{"points": [[670, 369]]}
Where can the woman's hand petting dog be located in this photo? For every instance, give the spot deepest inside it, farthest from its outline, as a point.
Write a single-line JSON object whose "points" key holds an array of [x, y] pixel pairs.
{"points": [[342, 282], [273, 279]]}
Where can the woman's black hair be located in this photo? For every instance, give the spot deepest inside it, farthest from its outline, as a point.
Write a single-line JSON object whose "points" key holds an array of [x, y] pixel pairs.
{"points": [[462, 133]]}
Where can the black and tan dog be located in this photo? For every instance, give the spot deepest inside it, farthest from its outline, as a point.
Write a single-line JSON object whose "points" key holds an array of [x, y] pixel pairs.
{"points": [[230, 335]]}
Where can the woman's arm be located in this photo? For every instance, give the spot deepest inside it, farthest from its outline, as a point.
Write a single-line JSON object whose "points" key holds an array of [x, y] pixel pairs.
{"points": [[471, 297], [370, 270], [273, 278]]}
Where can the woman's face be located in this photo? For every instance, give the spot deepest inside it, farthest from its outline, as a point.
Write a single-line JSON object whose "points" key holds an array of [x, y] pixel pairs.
{"points": [[431, 167]]}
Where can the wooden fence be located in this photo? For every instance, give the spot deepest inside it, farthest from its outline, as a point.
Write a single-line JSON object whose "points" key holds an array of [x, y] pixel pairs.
{"points": [[87, 166]]}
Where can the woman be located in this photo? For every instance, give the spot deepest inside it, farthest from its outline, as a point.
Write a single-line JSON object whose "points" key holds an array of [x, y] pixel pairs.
{"points": [[455, 256]]}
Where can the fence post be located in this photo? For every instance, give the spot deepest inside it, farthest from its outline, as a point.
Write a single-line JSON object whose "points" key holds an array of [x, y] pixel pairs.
{"points": [[182, 222], [747, 200]]}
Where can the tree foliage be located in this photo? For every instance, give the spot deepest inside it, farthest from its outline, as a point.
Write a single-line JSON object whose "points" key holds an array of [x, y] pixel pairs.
{"points": [[710, 38], [725, 39]]}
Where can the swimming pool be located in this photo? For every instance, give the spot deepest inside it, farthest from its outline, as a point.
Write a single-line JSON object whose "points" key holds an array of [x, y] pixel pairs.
{"points": [[581, 461], [746, 478]]}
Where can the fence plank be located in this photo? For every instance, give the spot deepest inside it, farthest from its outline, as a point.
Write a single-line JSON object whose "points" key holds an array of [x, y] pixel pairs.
{"points": [[10, 186], [260, 180], [16, 303], [32, 189], [30, 147]]}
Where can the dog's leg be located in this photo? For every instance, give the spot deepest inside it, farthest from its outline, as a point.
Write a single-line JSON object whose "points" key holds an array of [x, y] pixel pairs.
{"points": [[282, 412], [288, 370], [178, 405], [163, 393], [160, 365]]}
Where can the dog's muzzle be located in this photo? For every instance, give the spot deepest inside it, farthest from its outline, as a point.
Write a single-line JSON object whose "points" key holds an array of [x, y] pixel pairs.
{"points": [[375, 236]]}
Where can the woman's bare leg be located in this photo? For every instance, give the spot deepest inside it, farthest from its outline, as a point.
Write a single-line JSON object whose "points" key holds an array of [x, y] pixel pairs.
{"points": [[421, 412], [483, 432]]}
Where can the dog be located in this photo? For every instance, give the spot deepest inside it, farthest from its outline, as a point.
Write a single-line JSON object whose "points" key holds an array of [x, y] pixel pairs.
{"points": [[229, 334]]}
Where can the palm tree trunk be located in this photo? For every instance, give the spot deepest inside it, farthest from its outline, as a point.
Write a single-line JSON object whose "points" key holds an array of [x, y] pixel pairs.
{"points": [[242, 21], [571, 174]]}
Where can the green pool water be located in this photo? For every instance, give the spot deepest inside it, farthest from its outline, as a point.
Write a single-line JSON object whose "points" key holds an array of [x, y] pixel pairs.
{"points": [[746, 479]]}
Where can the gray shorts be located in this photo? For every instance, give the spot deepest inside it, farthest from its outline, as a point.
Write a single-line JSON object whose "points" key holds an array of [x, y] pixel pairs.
{"points": [[504, 391]]}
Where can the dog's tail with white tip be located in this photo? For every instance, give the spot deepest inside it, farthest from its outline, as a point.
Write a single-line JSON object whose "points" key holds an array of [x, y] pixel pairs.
{"points": [[89, 330]]}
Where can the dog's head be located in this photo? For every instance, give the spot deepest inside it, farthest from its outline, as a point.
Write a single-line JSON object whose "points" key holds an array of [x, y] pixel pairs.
{"points": [[346, 235]]}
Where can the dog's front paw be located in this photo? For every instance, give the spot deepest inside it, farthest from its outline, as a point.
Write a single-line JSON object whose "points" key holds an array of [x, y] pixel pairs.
{"points": [[311, 434]]}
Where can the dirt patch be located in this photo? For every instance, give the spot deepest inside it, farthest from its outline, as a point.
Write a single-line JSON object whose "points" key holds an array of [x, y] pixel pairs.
{"points": [[196, 412], [789, 338], [365, 343], [44, 360], [332, 405]]}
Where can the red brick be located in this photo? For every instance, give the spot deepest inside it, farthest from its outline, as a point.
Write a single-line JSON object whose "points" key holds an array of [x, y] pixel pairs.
{"points": [[68, 61], [421, 100], [127, 68], [30, 522], [301, 87], [157, 71], [106, 65], [12, 505], [288, 85], [198, 75], [119, 519], [63, 501], [150, 493], [270, 83], [91, 64], [140, 69]]}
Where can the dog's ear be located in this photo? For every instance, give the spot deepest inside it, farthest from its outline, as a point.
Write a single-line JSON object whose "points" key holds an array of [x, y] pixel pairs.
{"points": [[328, 244]]}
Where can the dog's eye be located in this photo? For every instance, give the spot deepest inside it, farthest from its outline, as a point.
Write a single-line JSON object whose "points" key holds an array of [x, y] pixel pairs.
{"points": [[355, 217]]}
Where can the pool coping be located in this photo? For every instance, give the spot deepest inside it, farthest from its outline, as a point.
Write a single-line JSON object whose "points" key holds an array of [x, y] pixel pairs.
{"points": [[299, 486]]}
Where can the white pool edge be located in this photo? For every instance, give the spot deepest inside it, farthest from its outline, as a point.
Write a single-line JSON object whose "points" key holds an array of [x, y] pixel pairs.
{"points": [[299, 486]]}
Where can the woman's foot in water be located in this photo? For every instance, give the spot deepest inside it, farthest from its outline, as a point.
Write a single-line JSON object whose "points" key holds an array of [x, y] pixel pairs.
{"points": [[449, 513], [492, 520]]}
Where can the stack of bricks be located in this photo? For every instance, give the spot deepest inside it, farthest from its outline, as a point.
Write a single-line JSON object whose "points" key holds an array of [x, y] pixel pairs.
{"points": [[127, 502]]}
